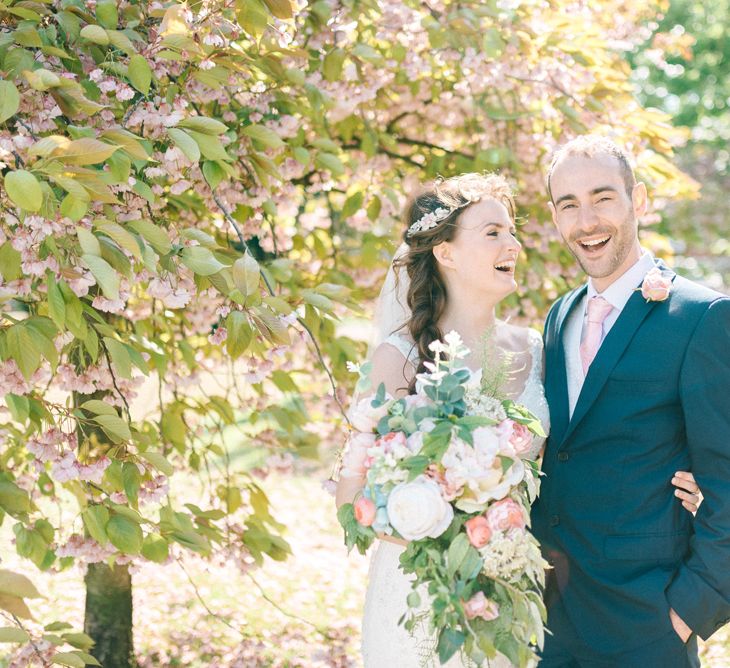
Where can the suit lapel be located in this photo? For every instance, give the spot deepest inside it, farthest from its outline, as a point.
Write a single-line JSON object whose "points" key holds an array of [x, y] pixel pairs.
{"points": [[611, 350], [558, 398]]}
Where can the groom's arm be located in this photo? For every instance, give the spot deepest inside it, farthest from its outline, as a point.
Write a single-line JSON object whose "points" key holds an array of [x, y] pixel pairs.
{"points": [[700, 591]]}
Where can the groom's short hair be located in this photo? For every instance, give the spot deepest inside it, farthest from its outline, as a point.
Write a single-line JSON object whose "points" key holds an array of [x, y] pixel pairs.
{"points": [[589, 146]]}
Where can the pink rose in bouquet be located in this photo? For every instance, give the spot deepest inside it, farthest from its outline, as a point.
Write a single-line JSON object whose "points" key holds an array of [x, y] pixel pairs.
{"points": [[478, 531], [517, 436], [365, 511], [392, 442], [505, 514], [448, 490], [480, 606]]}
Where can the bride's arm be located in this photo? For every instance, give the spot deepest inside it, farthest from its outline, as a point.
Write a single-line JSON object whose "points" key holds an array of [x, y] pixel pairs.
{"points": [[395, 372]]}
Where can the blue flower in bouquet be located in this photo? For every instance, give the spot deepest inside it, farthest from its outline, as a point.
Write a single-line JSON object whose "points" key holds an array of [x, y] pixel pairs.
{"points": [[381, 524]]}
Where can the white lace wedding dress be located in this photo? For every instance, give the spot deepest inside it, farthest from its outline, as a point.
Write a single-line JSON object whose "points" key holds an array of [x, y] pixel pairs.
{"points": [[385, 643]]}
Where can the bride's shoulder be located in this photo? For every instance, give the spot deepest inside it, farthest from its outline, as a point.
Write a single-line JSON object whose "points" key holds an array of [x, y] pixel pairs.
{"points": [[395, 347], [519, 336]]}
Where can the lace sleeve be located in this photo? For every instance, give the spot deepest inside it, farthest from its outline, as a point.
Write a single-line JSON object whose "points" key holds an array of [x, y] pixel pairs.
{"points": [[536, 347]]}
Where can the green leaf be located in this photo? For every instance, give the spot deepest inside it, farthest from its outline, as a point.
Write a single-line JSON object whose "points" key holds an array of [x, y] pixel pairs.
{"points": [[118, 39], [246, 274], [13, 499], [333, 62], [19, 406], [330, 162], [352, 204], [213, 173], [99, 407], [13, 634], [9, 100], [24, 190], [140, 74], [89, 243], [124, 534], [16, 584], [456, 553], [95, 520], [42, 79], [120, 166], [123, 238], [200, 260], [240, 333], [87, 658], [43, 340], [105, 276], [70, 659], [114, 427], [120, 357], [208, 126], [131, 479], [56, 305], [74, 207], [23, 349], [106, 13], [185, 143], [159, 461], [142, 189], [301, 155], [95, 34], [154, 235], [449, 643], [263, 135], [252, 16], [155, 548], [281, 9], [80, 640], [15, 606], [85, 151], [210, 146], [10, 262], [414, 600]]}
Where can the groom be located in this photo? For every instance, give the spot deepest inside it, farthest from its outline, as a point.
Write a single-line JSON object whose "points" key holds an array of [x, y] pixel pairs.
{"points": [[639, 388]]}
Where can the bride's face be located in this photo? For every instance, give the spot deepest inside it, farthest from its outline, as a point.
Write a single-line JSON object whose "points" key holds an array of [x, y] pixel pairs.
{"points": [[483, 253]]}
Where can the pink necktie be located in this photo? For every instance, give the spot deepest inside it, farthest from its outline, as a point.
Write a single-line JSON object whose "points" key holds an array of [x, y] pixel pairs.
{"points": [[598, 310]]}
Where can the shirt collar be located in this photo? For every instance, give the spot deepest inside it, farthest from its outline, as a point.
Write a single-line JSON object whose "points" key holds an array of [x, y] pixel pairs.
{"points": [[620, 291]]}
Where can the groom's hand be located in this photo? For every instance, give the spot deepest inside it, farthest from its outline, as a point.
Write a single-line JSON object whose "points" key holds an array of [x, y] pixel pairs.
{"points": [[683, 631]]}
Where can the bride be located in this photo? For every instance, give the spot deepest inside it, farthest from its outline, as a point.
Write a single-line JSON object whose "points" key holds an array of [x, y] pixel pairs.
{"points": [[455, 266]]}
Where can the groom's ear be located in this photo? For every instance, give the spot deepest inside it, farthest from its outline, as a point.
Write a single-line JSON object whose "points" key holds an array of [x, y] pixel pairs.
{"points": [[639, 199]]}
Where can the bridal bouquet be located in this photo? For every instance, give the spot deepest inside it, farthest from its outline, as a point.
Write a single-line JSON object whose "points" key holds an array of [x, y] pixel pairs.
{"points": [[445, 470]]}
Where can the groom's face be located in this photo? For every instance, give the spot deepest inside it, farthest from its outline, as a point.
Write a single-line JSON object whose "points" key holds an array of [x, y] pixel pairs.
{"points": [[596, 216]]}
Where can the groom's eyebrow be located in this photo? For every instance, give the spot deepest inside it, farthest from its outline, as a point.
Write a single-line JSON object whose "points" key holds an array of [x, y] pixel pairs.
{"points": [[603, 189], [595, 191]]}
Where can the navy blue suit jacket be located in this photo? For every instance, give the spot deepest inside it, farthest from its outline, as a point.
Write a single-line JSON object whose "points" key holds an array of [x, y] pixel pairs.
{"points": [[655, 400]]}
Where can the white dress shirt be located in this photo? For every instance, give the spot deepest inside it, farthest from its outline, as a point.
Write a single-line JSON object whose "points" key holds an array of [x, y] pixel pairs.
{"points": [[616, 294]]}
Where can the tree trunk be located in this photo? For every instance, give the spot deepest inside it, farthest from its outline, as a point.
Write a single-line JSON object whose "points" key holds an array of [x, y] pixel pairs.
{"points": [[109, 615]]}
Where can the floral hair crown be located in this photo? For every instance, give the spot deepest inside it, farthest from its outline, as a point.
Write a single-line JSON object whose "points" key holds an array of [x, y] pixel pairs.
{"points": [[431, 219]]}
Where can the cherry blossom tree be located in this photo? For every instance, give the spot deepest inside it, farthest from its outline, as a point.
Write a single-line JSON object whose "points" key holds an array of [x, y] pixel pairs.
{"points": [[202, 190]]}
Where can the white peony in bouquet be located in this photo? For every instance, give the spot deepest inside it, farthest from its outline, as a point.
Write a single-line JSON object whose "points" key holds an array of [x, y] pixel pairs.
{"points": [[444, 470]]}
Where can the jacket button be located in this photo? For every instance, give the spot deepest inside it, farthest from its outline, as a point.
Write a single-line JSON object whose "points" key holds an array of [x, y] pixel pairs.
{"points": [[554, 521], [563, 456]]}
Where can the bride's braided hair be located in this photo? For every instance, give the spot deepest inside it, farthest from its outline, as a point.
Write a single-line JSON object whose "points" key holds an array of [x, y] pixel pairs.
{"points": [[427, 294]]}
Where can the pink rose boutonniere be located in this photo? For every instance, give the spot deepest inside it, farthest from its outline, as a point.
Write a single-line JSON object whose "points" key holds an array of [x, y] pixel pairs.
{"points": [[656, 286]]}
